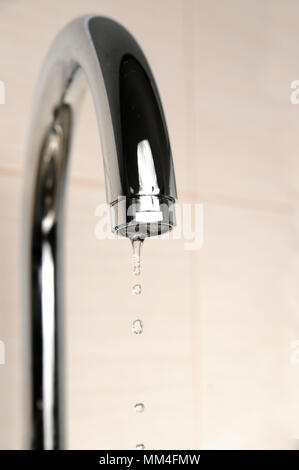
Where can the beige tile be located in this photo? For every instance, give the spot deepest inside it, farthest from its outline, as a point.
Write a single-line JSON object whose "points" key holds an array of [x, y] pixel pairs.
{"points": [[10, 315], [246, 61], [244, 330]]}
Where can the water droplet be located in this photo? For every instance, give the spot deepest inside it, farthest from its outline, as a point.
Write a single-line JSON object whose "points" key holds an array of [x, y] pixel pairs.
{"points": [[136, 244], [140, 447], [137, 327], [136, 289], [139, 407], [136, 265]]}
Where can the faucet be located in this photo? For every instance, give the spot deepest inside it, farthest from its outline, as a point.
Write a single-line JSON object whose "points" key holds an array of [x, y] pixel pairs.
{"points": [[140, 188]]}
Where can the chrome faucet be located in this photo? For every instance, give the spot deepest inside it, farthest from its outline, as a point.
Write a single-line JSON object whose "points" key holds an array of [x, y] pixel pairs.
{"points": [[140, 187]]}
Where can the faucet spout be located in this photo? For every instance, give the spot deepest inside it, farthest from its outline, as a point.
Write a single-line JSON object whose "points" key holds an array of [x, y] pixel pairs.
{"points": [[139, 175]]}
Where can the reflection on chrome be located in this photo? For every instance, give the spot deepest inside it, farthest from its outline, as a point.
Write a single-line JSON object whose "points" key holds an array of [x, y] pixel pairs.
{"points": [[48, 332], [146, 169]]}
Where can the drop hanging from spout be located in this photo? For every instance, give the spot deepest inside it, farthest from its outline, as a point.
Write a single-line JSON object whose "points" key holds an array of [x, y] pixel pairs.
{"points": [[136, 260]]}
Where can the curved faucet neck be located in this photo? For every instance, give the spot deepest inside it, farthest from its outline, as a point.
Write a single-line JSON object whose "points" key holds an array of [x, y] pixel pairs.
{"points": [[139, 175]]}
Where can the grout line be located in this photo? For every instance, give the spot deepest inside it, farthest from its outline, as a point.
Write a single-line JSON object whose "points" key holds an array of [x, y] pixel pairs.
{"points": [[278, 207], [75, 180], [11, 172], [87, 182]]}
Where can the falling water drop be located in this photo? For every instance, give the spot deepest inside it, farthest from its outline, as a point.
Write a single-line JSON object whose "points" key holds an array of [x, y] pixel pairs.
{"points": [[136, 289], [136, 244], [137, 327], [140, 447], [139, 407]]}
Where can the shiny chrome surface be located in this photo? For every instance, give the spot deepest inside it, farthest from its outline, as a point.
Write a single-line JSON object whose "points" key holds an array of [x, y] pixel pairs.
{"points": [[140, 186]]}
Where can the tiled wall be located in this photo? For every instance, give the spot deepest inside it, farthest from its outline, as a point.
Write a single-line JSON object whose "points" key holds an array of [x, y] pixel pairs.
{"points": [[214, 363]]}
